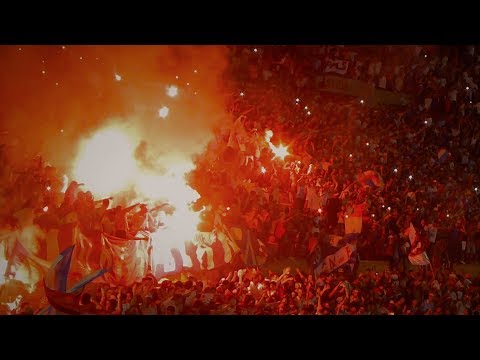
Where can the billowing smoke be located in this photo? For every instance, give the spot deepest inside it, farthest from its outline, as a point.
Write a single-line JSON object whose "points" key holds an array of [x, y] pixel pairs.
{"points": [[55, 96]]}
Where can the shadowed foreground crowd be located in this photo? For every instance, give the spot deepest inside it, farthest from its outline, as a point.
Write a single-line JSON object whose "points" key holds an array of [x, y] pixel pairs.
{"points": [[248, 292]]}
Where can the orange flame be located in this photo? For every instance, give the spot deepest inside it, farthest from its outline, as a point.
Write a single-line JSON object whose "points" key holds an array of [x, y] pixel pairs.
{"points": [[106, 165]]}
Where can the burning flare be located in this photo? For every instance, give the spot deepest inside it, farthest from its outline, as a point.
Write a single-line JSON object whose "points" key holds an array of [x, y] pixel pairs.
{"points": [[280, 151]]}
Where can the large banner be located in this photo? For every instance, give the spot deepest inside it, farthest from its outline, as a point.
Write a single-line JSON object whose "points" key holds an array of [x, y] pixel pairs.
{"points": [[336, 66], [357, 88]]}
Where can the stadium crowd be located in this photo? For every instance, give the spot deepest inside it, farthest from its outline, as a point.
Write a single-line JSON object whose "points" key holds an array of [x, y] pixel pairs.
{"points": [[390, 165]]}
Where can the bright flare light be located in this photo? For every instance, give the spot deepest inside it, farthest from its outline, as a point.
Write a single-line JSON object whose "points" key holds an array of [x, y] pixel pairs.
{"points": [[172, 91], [105, 163], [280, 151], [49, 188], [163, 112], [65, 183], [45, 209], [118, 77]]}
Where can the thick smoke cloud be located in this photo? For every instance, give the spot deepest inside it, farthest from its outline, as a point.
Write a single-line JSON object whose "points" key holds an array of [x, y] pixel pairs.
{"points": [[52, 97]]}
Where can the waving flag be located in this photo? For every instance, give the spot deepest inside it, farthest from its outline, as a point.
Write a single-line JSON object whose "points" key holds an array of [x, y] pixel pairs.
{"points": [[331, 262], [55, 284], [442, 155], [371, 178]]}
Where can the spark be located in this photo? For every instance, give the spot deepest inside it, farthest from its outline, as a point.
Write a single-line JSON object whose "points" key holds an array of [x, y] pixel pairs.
{"points": [[43, 72], [309, 113], [280, 151], [361, 101], [383, 206], [297, 100], [49, 188], [176, 77], [410, 177], [320, 211], [195, 71], [61, 130], [45, 209], [188, 84], [163, 112], [81, 57], [373, 215], [195, 93], [425, 55], [172, 91], [426, 122], [228, 208], [255, 50], [346, 216], [467, 88], [56, 84], [63, 47], [389, 208], [19, 49], [306, 107], [395, 170], [448, 215], [368, 144], [418, 209], [263, 170], [351, 155], [242, 93], [476, 189], [118, 77]]}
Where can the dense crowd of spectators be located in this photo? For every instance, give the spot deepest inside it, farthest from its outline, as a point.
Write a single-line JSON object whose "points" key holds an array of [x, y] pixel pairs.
{"points": [[426, 153]]}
